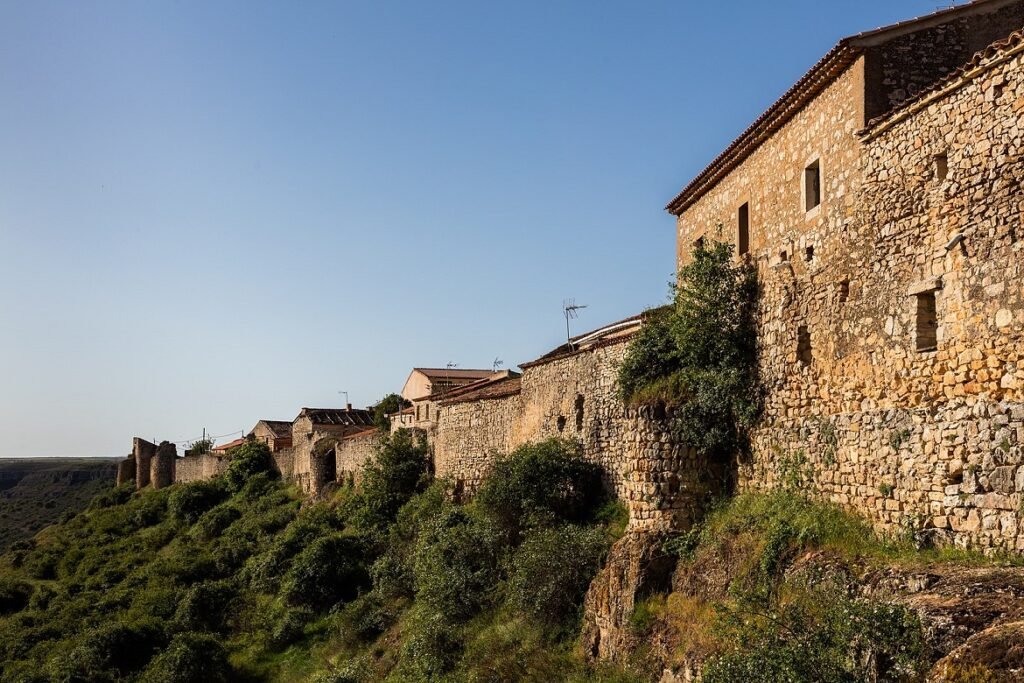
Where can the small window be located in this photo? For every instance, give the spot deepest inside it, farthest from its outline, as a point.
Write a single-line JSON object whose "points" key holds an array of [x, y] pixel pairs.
{"points": [[803, 346], [844, 291], [743, 232], [561, 423], [699, 244], [579, 412], [426, 411], [417, 412], [809, 254], [812, 186], [927, 326], [783, 256], [941, 166]]}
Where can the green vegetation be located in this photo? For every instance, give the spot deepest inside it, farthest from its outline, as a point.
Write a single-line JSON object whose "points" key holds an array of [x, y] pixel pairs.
{"points": [[389, 405], [699, 354], [235, 580], [38, 492]]}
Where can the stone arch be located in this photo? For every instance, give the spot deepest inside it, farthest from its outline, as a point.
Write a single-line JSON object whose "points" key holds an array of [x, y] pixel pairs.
{"points": [[323, 464]]}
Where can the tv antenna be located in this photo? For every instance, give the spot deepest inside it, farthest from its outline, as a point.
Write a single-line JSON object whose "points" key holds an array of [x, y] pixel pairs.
{"points": [[496, 364], [570, 308], [346, 397]]}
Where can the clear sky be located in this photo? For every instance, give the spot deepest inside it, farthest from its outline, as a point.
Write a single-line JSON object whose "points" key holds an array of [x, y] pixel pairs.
{"points": [[216, 212]]}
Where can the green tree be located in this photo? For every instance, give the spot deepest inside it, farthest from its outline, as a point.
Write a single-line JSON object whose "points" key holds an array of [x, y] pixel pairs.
{"points": [[389, 405], [699, 355]]}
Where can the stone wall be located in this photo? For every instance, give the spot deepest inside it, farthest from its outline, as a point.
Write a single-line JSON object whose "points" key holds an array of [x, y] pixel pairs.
{"points": [[352, 452], [143, 452], [662, 483], [891, 352], [470, 434], [199, 467], [162, 465]]}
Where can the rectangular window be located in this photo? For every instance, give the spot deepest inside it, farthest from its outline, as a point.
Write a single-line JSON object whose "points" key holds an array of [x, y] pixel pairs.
{"points": [[743, 233], [927, 326], [941, 166], [812, 186]]}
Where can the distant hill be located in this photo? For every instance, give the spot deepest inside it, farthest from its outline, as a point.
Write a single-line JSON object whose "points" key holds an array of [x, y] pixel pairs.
{"points": [[37, 492]]}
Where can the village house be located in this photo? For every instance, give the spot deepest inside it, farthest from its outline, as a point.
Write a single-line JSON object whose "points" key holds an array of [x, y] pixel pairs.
{"points": [[277, 434], [880, 200], [425, 381]]}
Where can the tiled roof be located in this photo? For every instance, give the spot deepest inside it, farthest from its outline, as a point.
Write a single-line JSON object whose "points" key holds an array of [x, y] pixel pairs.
{"points": [[793, 100], [1009, 45], [280, 428], [224, 447], [498, 388], [337, 416], [361, 434], [454, 373], [452, 392], [612, 333]]}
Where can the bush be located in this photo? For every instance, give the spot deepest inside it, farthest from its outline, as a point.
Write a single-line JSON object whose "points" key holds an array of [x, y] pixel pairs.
{"points": [[249, 460], [205, 607], [540, 485], [329, 571], [551, 571], [115, 496], [456, 564], [190, 658], [14, 595], [819, 634], [700, 354], [397, 472], [431, 647], [289, 628], [214, 521], [389, 405], [188, 502]]}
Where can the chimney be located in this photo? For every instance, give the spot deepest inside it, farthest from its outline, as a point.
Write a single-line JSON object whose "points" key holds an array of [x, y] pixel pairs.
{"points": [[348, 407]]}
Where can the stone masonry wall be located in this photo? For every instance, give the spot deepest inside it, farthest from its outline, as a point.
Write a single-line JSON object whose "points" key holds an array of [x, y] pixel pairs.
{"points": [[917, 424], [352, 453], [662, 483], [470, 435], [198, 467]]}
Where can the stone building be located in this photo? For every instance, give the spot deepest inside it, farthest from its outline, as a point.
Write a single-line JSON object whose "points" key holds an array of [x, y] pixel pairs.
{"points": [[880, 201], [315, 434], [277, 434]]}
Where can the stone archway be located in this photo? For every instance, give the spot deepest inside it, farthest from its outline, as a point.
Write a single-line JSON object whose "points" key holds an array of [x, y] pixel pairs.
{"points": [[323, 464]]}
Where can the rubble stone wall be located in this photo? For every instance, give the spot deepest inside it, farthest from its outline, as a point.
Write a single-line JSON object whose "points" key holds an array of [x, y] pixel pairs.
{"points": [[352, 453], [916, 423], [198, 467], [470, 435]]}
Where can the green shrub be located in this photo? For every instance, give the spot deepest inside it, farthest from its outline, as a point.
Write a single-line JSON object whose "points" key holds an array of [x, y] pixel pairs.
{"points": [[188, 502], [204, 607], [456, 564], [214, 521], [14, 594], [111, 497], [699, 355], [818, 634], [431, 646], [551, 571], [190, 658], [539, 485], [289, 628], [397, 472], [329, 571], [251, 459]]}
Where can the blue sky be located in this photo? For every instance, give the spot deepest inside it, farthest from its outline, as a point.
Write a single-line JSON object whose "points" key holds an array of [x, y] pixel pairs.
{"points": [[216, 212]]}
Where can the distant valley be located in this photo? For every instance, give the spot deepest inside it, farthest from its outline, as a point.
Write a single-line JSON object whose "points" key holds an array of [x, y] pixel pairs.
{"points": [[38, 492]]}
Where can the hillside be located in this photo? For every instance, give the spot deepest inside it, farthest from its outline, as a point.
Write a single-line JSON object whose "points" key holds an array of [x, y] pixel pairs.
{"points": [[242, 579], [37, 492]]}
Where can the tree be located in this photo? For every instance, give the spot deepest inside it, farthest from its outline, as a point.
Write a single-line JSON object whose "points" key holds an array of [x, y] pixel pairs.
{"points": [[699, 355], [389, 405]]}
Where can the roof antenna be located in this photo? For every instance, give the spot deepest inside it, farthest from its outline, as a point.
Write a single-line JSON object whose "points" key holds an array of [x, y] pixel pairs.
{"points": [[346, 397], [496, 364], [570, 308]]}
